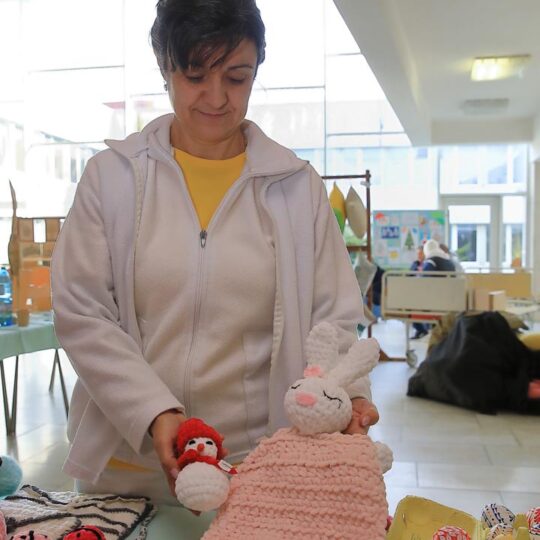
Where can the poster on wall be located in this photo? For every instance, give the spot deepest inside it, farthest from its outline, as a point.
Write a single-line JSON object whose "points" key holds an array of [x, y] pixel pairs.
{"points": [[398, 233]]}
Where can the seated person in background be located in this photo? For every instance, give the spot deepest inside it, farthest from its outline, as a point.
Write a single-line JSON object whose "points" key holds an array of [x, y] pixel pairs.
{"points": [[376, 288], [453, 258], [435, 259], [416, 266]]}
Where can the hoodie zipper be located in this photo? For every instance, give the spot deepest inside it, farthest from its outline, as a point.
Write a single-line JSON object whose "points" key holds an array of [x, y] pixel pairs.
{"points": [[225, 204], [203, 237], [227, 201], [195, 325]]}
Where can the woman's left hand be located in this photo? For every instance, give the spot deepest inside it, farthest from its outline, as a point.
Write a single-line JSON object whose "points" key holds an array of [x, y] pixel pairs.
{"points": [[364, 415]]}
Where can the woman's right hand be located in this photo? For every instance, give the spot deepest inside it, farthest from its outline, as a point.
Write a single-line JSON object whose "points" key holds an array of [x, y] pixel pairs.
{"points": [[164, 430]]}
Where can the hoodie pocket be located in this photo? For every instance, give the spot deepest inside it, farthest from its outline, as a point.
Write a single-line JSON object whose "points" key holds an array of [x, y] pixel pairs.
{"points": [[257, 351], [143, 331]]}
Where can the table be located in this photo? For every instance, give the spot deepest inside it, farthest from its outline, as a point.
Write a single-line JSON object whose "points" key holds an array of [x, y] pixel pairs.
{"points": [[15, 340], [176, 522], [523, 308]]}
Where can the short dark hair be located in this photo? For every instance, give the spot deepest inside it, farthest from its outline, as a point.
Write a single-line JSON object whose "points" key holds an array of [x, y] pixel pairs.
{"points": [[189, 32]]}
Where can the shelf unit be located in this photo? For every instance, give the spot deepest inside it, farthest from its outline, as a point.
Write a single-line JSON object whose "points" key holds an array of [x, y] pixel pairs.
{"points": [[365, 181]]}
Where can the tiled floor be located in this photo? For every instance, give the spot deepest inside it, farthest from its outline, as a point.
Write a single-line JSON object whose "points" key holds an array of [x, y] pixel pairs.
{"points": [[444, 453], [448, 454]]}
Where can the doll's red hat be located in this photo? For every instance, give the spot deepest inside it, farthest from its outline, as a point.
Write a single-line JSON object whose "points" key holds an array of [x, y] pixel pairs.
{"points": [[195, 427]]}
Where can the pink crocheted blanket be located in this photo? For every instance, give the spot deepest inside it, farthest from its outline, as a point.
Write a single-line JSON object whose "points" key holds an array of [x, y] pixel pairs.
{"points": [[295, 486]]}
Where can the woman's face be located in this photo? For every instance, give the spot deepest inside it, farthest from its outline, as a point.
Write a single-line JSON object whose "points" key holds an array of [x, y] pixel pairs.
{"points": [[210, 102]]}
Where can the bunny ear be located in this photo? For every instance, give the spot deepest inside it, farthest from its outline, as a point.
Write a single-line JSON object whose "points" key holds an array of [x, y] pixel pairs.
{"points": [[359, 361], [322, 346]]}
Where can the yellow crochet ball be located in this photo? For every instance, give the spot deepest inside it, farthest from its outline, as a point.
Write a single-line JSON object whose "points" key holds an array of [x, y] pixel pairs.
{"points": [[504, 537]]}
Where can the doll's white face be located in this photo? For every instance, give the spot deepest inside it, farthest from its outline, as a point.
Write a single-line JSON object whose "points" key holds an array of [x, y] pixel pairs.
{"points": [[203, 446], [315, 405]]}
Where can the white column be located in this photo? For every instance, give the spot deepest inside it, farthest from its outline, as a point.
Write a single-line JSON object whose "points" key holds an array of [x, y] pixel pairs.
{"points": [[534, 229]]}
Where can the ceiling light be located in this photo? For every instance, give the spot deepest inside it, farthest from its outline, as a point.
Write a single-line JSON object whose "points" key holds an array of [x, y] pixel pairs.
{"points": [[498, 67]]}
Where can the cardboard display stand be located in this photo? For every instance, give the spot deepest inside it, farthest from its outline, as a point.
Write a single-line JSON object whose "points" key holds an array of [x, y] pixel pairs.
{"points": [[30, 258]]}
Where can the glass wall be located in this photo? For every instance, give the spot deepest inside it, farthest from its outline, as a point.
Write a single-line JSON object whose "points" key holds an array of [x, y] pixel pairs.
{"points": [[85, 72], [486, 169]]}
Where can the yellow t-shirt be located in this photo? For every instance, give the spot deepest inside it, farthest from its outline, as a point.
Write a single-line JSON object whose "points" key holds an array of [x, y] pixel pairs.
{"points": [[208, 180]]}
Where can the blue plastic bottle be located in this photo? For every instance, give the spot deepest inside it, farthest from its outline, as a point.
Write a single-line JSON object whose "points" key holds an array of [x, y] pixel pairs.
{"points": [[6, 298]]}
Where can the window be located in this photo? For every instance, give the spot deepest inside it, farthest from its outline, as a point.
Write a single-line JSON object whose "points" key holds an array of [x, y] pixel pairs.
{"points": [[466, 242], [514, 219], [483, 169], [470, 234]]}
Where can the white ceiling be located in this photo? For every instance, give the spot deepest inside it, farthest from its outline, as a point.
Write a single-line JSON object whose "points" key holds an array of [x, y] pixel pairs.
{"points": [[421, 52]]}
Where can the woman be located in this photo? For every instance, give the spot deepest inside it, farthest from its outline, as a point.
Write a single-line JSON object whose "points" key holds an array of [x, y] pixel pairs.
{"points": [[194, 261]]}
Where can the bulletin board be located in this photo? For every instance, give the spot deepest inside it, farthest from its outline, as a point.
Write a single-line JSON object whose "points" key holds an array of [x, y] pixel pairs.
{"points": [[398, 233]]}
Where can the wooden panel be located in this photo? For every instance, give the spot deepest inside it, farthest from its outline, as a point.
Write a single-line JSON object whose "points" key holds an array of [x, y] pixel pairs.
{"points": [[53, 228], [516, 285], [25, 227]]}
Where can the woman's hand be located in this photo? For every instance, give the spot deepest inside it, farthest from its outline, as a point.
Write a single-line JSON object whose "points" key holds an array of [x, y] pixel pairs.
{"points": [[364, 415], [163, 431]]}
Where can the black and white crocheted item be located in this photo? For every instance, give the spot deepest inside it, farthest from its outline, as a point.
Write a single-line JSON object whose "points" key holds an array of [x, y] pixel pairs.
{"points": [[58, 513]]}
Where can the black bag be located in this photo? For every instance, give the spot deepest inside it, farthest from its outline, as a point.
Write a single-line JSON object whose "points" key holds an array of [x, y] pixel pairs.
{"points": [[481, 365]]}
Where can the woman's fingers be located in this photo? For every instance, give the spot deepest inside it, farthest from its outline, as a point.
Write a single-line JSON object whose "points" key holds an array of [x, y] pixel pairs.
{"points": [[164, 431], [364, 415]]}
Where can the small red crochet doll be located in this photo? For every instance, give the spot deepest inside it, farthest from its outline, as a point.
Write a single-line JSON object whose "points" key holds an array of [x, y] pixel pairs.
{"points": [[202, 483]]}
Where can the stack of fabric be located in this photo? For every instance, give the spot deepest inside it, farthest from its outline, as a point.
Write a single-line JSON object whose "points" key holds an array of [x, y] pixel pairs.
{"points": [[56, 514]]}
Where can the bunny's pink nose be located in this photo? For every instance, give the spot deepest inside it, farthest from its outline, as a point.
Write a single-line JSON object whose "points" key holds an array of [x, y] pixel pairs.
{"points": [[305, 399]]}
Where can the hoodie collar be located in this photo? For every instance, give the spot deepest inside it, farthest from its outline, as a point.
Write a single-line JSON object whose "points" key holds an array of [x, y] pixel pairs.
{"points": [[265, 157]]}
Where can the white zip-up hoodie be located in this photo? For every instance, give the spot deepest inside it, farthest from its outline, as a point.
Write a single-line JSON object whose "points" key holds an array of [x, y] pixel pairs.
{"points": [[118, 393]]}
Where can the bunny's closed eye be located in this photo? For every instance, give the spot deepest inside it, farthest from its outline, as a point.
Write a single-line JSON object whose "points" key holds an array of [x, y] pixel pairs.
{"points": [[333, 399]]}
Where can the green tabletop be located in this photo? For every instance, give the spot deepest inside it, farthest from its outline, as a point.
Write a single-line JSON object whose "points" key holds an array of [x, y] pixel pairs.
{"points": [[17, 340], [176, 523], [37, 336]]}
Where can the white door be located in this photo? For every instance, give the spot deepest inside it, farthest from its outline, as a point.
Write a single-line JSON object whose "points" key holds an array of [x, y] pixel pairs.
{"points": [[474, 230]]}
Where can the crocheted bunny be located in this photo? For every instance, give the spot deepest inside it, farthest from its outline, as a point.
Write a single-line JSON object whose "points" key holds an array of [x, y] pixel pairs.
{"points": [[319, 402], [311, 480]]}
